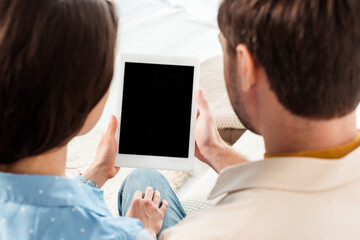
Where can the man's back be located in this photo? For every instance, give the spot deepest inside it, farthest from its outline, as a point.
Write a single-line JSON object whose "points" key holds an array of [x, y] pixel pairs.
{"points": [[282, 198]]}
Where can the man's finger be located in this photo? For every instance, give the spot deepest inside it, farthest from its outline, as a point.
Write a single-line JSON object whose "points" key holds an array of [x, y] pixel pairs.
{"points": [[112, 126], [149, 192]]}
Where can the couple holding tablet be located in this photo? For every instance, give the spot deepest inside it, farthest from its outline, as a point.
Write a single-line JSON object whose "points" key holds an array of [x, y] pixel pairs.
{"points": [[299, 91]]}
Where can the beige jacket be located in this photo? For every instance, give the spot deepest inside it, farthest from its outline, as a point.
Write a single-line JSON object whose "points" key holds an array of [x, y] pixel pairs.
{"points": [[286, 198]]}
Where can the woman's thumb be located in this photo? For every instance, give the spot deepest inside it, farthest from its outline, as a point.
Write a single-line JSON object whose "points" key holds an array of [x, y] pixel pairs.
{"points": [[112, 126]]}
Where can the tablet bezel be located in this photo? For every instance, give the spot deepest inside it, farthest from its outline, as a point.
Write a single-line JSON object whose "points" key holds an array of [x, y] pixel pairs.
{"points": [[158, 162]]}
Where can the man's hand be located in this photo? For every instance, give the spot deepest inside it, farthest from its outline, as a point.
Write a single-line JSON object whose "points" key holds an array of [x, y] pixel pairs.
{"points": [[210, 148], [102, 168], [147, 210]]}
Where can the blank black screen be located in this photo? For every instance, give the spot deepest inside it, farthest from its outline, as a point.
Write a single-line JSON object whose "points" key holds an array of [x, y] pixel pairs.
{"points": [[156, 110]]}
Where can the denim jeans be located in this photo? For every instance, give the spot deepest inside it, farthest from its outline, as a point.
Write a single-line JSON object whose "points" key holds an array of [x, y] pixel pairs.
{"points": [[139, 179]]}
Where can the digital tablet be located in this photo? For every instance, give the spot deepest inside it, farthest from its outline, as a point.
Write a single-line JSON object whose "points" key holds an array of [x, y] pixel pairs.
{"points": [[157, 111]]}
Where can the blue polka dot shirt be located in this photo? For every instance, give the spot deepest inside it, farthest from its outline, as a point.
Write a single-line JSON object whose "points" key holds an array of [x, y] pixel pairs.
{"points": [[58, 208]]}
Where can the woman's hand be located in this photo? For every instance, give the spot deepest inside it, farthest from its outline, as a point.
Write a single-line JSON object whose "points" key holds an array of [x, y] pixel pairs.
{"points": [[147, 210], [102, 168], [210, 148]]}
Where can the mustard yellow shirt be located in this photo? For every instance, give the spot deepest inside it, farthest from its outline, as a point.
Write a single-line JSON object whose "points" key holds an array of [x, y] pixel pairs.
{"points": [[332, 153]]}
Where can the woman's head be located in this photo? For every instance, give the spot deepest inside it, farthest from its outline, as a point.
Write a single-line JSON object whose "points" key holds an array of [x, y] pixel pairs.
{"points": [[56, 64]]}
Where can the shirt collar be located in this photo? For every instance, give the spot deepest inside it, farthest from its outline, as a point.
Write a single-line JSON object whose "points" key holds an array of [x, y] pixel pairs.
{"points": [[332, 153], [50, 191], [289, 173]]}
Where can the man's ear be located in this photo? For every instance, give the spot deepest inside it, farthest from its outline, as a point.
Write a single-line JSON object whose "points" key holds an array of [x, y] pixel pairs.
{"points": [[246, 67]]}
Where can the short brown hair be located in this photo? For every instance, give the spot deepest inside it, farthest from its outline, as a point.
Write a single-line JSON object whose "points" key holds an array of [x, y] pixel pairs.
{"points": [[310, 50], [56, 63]]}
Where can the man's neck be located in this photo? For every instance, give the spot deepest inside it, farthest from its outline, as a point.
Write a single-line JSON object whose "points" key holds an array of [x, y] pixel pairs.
{"points": [[294, 134], [49, 163]]}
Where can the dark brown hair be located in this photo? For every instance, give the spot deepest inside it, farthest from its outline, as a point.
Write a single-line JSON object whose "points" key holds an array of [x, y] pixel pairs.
{"points": [[310, 50], [56, 63]]}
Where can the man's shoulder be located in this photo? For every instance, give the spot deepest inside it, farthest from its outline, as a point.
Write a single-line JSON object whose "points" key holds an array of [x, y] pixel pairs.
{"points": [[258, 213], [219, 222]]}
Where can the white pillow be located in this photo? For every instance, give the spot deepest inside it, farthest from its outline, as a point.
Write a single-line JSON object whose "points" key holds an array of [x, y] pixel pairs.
{"points": [[213, 84]]}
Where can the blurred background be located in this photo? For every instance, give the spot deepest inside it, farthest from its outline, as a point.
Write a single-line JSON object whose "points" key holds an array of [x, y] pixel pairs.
{"points": [[165, 27]]}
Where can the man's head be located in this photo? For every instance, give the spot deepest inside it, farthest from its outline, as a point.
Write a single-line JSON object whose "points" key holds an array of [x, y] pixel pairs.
{"points": [[307, 51], [56, 64]]}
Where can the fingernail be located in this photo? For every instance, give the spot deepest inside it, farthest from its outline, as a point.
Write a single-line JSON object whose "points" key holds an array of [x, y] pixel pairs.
{"points": [[201, 92], [112, 118]]}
